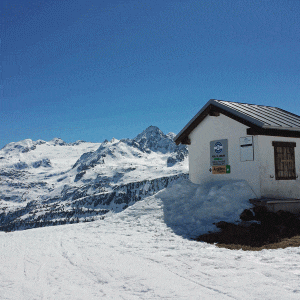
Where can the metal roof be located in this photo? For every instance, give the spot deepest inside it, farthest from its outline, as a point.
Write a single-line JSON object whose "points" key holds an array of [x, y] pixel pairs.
{"points": [[258, 116], [269, 117]]}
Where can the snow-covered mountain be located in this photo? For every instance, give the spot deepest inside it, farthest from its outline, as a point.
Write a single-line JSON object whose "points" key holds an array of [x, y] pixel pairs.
{"points": [[46, 183]]}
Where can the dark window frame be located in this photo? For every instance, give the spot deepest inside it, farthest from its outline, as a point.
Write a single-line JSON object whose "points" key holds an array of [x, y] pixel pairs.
{"points": [[284, 159]]}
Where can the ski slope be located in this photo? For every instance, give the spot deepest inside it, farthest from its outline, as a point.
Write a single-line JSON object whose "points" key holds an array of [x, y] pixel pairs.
{"points": [[136, 254]]}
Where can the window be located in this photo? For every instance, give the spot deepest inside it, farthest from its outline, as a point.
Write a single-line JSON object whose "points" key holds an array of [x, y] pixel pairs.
{"points": [[284, 155]]}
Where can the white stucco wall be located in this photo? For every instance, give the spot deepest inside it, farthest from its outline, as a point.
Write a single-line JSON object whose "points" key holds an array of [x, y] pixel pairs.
{"points": [[270, 187], [222, 127]]}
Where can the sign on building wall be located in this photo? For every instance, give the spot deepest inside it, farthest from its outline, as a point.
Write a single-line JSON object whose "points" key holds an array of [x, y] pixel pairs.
{"points": [[219, 153], [221, 169], [246, 148]]}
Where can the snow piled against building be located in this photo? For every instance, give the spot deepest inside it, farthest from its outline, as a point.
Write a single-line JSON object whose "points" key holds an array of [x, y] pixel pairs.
{"points": [[191, 209]]}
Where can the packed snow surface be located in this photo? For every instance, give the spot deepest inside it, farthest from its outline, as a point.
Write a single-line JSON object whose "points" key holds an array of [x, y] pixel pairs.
{"points": [[143, 253]]}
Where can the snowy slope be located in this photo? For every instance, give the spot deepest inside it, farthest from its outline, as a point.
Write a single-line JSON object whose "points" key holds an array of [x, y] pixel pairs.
{"points": [[141, 249], [135, 254], [50, 183]]}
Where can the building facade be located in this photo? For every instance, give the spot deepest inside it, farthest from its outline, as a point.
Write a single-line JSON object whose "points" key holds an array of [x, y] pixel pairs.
{"points": [[234, 141]]}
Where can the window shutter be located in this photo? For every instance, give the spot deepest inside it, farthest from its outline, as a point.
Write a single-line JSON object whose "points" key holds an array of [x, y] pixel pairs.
{"points": [[284, 155]]}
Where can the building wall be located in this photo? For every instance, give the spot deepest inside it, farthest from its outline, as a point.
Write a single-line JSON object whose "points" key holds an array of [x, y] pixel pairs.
{"points": [[222, 127], [270, 187]]}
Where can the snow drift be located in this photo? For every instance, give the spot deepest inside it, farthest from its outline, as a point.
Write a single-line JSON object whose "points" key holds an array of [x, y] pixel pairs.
{"points": [[191, 209]]}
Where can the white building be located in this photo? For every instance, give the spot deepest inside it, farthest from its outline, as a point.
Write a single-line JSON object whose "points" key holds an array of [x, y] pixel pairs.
{"points": [[260, 144]]}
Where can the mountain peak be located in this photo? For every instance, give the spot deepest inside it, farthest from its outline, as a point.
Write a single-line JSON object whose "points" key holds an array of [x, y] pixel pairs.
{"points": [[114, 140], [151, 131], [152, 138], [21, 146], [152, 128], [57, 141]]}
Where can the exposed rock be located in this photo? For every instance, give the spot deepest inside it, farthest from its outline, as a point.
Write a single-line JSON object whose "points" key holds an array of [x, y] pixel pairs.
{"points": [[175, 158], [247, 215], [76, 143], [20, 165], [57, 142], [45, 162], [154, 139], [79, 176], [271, 228]]}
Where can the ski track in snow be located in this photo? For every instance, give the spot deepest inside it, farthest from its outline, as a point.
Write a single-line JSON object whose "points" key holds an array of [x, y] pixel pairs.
{"points": [[135, 255]]}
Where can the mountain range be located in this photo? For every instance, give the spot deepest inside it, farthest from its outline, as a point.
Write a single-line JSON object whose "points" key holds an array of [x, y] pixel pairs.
{"points": [[52, 183]]}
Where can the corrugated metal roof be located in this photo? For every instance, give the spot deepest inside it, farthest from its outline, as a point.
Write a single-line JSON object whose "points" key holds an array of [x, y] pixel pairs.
{"points": [[252, 115], [270, 117]]}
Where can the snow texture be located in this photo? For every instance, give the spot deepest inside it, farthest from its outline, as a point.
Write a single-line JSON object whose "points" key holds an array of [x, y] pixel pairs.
{"points": [[142, 248], [52, 183], [136, 254], [191, 209]]}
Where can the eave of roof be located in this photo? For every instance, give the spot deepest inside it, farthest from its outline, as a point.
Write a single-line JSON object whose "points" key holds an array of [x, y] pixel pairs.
{"points": [[256, 127]]}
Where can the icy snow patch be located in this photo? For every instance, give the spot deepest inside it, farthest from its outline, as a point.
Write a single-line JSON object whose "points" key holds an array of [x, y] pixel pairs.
{"points": [[191, 209]]}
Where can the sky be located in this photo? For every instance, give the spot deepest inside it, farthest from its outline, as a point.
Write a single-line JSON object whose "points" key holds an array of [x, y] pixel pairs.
{"points": [[93, 70]]}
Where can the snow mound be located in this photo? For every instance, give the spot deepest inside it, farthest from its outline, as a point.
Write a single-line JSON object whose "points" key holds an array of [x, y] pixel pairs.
{"points": [[191, 209]]}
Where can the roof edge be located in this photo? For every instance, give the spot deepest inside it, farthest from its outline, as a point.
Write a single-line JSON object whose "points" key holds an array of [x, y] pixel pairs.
{"points": [[182, 134], [209, 107]]}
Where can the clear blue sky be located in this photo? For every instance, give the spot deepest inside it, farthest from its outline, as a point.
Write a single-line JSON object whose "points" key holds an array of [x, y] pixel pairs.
{"points": [[93, 70]]}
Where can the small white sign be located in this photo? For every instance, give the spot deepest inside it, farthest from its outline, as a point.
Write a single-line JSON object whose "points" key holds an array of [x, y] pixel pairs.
{"points": [[246, 148]]}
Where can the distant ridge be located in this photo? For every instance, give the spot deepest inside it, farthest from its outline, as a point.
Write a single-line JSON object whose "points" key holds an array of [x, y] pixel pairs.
{"points": [[50, 183]]}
